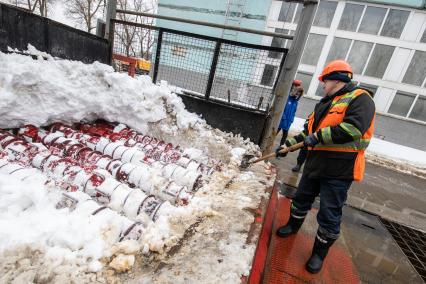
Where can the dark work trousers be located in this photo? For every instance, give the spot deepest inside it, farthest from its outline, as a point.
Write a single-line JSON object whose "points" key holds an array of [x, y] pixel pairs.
{"points": [[285, 134], [332, 192], [301, 157]]}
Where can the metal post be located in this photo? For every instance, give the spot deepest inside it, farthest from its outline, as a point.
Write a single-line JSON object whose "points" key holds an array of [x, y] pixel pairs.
{"points": [[157, 55], [288, 73], [213, 69], [111, 12]]}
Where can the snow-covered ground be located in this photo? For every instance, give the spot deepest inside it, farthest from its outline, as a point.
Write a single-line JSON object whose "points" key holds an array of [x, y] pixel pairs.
{"points": [[385, 153], [205, 241]]}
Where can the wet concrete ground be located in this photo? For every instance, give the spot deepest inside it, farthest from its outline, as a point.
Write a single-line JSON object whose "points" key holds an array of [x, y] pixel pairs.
{"points": [[389, 194], [365, 252]]}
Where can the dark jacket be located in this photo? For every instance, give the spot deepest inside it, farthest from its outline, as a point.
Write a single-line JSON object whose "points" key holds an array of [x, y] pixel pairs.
{"points": [[290, 108], [338, 165]]}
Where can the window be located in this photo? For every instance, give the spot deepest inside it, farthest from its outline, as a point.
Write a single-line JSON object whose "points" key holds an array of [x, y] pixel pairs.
{"points": [[320, 91], [417, 70], [305, 78], [179, 50], [325, 14], [351, 16], [369, 87], [359, 55], [277, 42], [372, 20], [287, 12], [298, 13], [419, 110], [423, 39], [339, 49], [379, 60], [268, 75], [395, 23], [313, 49], [401, 104], [289, 41]]}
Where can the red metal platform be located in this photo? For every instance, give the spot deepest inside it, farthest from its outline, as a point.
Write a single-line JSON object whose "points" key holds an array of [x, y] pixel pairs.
{"points": [[282, 260]]}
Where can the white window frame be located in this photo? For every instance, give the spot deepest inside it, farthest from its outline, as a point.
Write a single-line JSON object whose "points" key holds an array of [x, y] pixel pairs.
{"points": [[332, 32]]}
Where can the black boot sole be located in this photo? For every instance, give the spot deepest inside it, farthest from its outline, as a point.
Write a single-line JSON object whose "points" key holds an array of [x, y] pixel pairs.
{"points": [[284, 235], [311, 270]]}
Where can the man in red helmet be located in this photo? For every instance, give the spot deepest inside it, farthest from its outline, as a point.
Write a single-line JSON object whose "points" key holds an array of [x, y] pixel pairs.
{"points": [[336, 134]]}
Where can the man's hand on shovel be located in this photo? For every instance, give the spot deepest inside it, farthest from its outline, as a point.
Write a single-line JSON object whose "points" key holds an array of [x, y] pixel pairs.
{"points": [[245, 163]]}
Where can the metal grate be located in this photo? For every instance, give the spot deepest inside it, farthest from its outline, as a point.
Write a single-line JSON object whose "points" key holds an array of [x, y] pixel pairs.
{"points": [[232, 72], [412, 243], [185, 61]]}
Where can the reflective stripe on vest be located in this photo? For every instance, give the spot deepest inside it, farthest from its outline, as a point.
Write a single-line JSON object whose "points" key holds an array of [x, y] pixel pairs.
{"points": [[334, 117]]}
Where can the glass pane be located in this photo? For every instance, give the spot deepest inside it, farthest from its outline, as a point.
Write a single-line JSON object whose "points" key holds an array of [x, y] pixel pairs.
{"points": [[372, 20], [339, 49], [325, 13], [394, 23], [320, 91], [313, 49], [298, 12], [286, 12], [417, 70], [423, 39], [419, 109], [351, 16], [268, 75], [401, 104], [359, 55], [289, 41], [277, 42], [305, 78], [379, 60], [369, 87]]}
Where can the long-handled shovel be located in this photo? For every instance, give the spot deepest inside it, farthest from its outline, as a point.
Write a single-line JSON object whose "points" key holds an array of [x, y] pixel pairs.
{"points": [[245, 163]]}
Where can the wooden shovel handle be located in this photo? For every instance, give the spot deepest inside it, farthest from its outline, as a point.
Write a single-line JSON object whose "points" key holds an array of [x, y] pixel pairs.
{"points": [[283, 151]]}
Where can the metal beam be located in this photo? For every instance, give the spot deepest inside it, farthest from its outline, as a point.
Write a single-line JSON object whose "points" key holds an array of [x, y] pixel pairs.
{"points": [[111, 11], [288, 73], [202, 23]]}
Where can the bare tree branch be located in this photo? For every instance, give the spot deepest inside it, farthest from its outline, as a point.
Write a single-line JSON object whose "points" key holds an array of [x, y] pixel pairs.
{"points": [[84, 11]]}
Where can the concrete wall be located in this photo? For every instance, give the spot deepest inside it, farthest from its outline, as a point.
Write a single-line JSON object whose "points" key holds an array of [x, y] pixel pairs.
{"points": [[395, 130]]}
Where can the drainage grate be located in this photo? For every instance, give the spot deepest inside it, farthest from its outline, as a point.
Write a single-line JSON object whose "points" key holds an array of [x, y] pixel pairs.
{"points": [[412, 243]]}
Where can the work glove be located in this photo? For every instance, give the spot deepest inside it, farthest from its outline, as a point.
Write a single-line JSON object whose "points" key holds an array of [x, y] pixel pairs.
{"points": [[311, 140], [280, 154]]}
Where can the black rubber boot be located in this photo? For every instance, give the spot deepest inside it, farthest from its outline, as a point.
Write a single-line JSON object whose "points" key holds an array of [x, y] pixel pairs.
{"points": [[296, 168], [294, 223], [323, 242]]}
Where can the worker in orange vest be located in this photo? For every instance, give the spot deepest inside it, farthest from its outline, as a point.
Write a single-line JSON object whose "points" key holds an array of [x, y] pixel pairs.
{"points": [[337, 134]]}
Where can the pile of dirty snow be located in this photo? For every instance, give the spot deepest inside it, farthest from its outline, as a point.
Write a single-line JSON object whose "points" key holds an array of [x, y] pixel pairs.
{"points": [[41, 243]]}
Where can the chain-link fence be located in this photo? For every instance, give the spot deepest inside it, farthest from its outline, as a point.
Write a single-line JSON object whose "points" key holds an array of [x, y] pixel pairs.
{"points": [[231, 72]]}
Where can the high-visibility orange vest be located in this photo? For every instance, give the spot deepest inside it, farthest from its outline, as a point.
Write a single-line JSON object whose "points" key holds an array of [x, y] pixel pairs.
{"points": [[334, 117]]}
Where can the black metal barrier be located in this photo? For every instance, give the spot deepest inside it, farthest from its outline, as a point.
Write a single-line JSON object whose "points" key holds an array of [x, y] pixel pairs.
{"points": [[249, 124], [236, 73], [229, 83], [18, 28]]}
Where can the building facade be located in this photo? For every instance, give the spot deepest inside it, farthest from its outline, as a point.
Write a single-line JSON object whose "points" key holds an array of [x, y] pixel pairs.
{"points": [[384, 41], [241, 76]]}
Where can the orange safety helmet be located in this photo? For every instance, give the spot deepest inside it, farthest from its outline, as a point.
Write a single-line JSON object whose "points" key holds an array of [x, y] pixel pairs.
{"points": [[336, 66], [297, 82]]}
